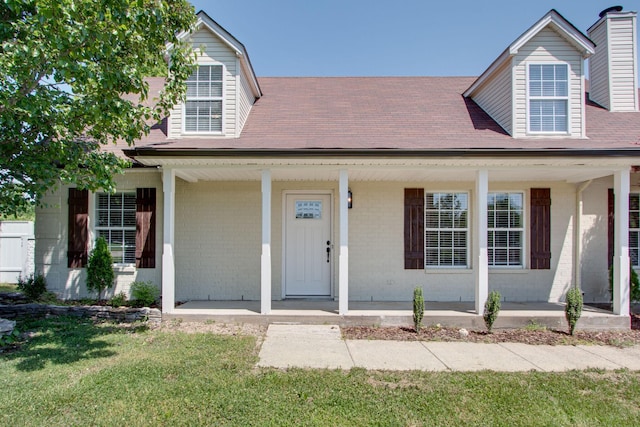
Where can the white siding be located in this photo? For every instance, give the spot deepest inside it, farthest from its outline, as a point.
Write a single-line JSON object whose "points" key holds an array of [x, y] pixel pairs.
{"points": [[613, 67], [599, 67], [51, 241], [496, 98], [547, 47], [215, 52], [623, 76], [245, 102]]}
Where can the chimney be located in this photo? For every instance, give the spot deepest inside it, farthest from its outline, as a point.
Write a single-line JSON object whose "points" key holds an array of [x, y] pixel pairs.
{"points": [[613, 69]]}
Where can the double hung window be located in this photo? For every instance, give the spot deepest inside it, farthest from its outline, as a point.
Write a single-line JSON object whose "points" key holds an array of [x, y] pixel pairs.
{"points": [[548, 98], [446, 229], [203, 106], [505, 229], [116, 222]]}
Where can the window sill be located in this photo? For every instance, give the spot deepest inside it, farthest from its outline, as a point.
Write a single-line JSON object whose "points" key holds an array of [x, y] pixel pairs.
{"points": [[124, 268], [445, 270], [184, 133], [508, 270]]}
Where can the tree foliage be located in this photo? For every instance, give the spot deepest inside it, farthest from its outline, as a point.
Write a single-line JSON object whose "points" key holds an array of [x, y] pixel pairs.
{"points": [[64, 67]]}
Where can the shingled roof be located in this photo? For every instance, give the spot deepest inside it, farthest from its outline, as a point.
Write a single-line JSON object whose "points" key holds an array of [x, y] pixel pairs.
{"points": [[384, 114]]}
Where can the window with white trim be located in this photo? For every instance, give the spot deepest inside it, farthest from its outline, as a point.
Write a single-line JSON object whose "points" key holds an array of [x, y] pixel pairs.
{"points": [[203, 105], [505, 229], [446, 229], [634, 228], [548, 98], [116, 222]]}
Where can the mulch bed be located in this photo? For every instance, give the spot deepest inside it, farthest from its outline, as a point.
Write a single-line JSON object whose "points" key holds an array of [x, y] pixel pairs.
{"points": [[526, 336]]}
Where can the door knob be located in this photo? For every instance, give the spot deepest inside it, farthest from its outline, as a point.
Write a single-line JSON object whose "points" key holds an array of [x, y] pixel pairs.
{"points": [[328, 253]]}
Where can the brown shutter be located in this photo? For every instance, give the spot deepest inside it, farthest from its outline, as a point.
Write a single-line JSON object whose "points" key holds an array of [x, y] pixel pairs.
{"points": [[146, 228], [413, 228], [78, 233], [540, 228], [610, 227]]}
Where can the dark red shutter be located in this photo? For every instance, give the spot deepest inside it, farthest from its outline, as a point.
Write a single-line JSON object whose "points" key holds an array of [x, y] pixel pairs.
{"points": [[610, 227], [146, 228], [413, 228], [78, 232], [540, 228]]}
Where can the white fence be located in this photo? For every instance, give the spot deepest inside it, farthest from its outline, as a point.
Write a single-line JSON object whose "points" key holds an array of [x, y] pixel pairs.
{"points": [[17, 244]]}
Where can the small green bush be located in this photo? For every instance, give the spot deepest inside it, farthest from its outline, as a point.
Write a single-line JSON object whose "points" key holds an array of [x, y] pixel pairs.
{"points": [[634, 284], [491, 309], [144, 294], [100, 275], [8, 339], [118, 300], [33, 287], [573, 308], [418, 308]]}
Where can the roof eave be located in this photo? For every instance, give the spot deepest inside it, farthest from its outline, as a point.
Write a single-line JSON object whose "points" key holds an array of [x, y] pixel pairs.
{"points": [[382, 152]]}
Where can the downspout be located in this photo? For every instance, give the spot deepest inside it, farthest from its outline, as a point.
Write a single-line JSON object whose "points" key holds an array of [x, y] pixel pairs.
{"points": [[577, 235]]}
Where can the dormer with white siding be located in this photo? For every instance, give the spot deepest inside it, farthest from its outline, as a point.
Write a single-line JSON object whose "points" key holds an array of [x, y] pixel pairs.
{"points": [[221, 91], [535, 88]]}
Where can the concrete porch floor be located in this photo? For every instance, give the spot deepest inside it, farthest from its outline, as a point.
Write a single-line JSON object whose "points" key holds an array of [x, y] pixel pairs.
{"points": [[452, 314]]}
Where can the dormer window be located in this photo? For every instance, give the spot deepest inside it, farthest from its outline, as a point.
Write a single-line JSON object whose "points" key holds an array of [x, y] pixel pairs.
{"points": [[203, 106], [548, 98]]}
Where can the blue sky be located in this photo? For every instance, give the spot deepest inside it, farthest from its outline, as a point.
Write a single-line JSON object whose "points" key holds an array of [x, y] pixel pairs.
{"points": [[385, 38]]}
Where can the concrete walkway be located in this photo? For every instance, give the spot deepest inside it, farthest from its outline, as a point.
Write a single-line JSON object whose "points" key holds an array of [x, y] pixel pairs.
{"points": [[322, 346]]}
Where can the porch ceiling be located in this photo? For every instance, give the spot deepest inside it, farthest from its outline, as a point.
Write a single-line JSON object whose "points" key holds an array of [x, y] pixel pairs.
{"points": [[503, 169]]}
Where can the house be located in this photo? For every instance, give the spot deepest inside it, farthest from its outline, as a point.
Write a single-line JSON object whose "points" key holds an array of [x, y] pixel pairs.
{"points": [[522, 180]]}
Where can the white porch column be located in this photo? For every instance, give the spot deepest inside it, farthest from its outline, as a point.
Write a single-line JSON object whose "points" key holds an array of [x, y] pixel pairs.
{"points": [[265, 259], [480, 257], [168, 236], [343, 263], [621, 246]]}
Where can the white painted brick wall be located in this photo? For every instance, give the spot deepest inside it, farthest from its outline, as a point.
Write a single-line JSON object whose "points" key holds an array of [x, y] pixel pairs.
{"points": [[218, 246], [51, 240], [376, 269]]}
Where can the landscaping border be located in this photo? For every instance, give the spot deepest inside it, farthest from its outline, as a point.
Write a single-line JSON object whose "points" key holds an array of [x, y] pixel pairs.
{"points": [[95, 312]]}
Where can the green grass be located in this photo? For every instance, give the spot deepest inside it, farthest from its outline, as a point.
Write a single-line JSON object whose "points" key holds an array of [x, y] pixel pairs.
{"points": [[8, 287], [72, 372]]}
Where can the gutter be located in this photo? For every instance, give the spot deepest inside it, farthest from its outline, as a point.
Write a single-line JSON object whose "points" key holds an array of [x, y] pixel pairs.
{"points": [[382, 152]]}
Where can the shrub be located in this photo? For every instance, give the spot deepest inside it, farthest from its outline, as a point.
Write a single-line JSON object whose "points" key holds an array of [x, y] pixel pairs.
{"points": [[634, 284], [100, 273], [418, 308], [491, 309], [573, 308], [8, 339], [118, 300], [144, 293], [33, 287]]}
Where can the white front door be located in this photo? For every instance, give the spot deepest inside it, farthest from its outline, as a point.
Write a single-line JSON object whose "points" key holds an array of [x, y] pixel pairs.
{"points": [[308, 246]]}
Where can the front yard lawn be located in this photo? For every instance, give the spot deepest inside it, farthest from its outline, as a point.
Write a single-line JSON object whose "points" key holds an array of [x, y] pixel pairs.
{"points": [[73, 372]]}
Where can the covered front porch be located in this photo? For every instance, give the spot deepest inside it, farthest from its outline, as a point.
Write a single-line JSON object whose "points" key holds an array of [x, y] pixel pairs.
{"points": [[394, 313], [364, 252]]}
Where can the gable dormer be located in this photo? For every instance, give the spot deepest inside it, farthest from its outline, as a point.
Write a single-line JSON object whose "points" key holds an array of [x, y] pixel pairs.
{"points": [[222, 89], [535, 87]]}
